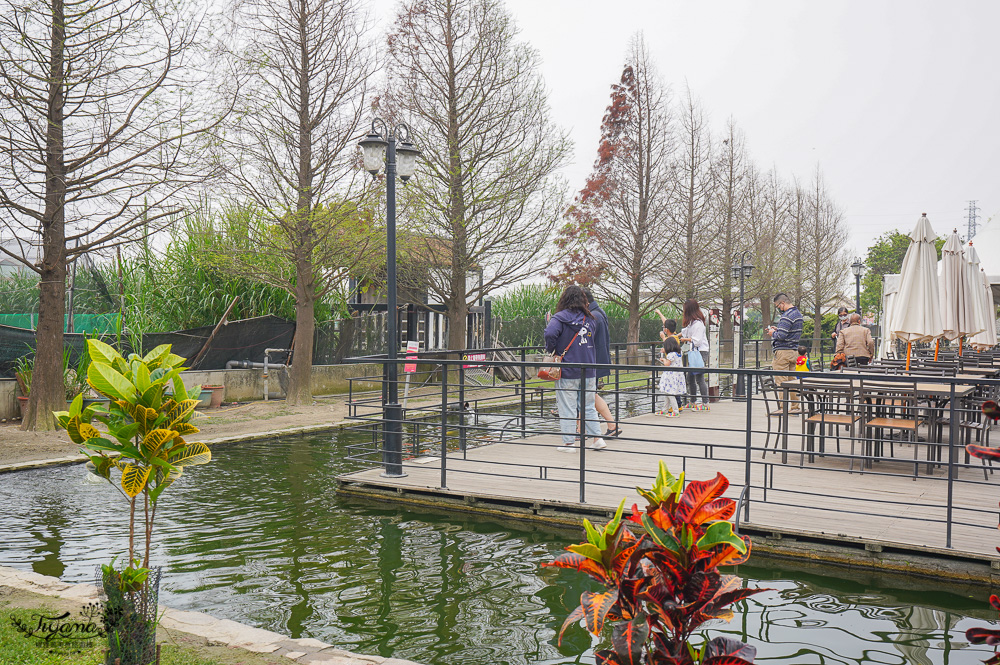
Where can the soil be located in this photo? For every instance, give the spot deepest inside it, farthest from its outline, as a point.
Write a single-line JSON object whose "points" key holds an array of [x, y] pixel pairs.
{"points": [[231, 420]]}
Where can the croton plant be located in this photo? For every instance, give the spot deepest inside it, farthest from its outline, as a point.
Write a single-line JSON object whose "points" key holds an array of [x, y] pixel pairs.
{"points": [[663, 582]]}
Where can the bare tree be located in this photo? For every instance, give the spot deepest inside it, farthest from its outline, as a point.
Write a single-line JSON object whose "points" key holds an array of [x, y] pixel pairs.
{"points": [[729, 223], [626, 199], [769, 230], [487, 197], [98, 129], [826, 238], [290, 155], [693, 200]]}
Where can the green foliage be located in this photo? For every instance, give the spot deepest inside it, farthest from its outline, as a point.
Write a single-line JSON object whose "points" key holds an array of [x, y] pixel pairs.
{"points": [[526, 301], [145, 427], [829, 324], [885, 257]]}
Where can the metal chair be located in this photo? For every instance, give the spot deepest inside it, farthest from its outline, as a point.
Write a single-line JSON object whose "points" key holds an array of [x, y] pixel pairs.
{"points": [[892, 407], [828, 407]]}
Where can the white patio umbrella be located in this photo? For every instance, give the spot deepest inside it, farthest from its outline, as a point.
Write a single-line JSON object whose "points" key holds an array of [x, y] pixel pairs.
{"points": [[975, 276], [917, 306], [959, 295], [987, 339]]}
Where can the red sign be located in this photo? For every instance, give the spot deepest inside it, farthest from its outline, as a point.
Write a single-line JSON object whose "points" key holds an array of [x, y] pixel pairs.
{"points": [[411, 350], [473, 357]]}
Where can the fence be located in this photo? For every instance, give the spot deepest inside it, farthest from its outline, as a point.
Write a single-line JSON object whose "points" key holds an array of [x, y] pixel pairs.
{"points": [[849, 464]]}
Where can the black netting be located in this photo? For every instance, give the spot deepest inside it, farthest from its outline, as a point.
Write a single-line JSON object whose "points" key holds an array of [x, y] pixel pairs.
{"points": [[130, 617], [237, 340], [529, 331]]}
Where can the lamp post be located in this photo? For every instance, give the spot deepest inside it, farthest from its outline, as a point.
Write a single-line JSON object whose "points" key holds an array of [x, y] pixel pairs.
{"points": [[857, 268], [742, 270], [379, 149]]}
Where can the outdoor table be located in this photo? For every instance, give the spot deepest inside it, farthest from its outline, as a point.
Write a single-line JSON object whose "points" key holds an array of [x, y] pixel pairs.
{"points": [[938, 391]]}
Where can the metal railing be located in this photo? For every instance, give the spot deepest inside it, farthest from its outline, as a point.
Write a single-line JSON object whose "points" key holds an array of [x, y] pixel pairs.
{"points": [[854, 477]]}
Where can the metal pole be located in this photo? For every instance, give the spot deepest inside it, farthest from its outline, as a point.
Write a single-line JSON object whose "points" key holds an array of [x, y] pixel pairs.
{"points": [[461, 408], [582, 403], [749, 451], [952, 431], [524, 389], [857, 294], [392, 454], [488, 324], [618, 395], [444, 425], [740, 379]]}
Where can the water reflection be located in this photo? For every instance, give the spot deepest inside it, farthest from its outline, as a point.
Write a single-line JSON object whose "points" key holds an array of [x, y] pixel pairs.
{"points": [[259, 536]]}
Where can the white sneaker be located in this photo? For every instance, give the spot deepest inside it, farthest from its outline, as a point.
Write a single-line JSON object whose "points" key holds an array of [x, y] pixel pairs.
{"points": [[566, 449], [598, 444]]}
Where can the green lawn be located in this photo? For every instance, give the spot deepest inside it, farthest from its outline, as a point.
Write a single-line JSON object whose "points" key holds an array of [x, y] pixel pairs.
{"points": [[19, 649]]}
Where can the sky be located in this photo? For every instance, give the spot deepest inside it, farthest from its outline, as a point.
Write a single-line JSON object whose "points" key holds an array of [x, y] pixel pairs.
{"points": [[895, 101]]}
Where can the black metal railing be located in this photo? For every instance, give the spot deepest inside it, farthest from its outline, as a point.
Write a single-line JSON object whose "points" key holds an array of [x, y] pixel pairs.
{"points": [[873, 454]]}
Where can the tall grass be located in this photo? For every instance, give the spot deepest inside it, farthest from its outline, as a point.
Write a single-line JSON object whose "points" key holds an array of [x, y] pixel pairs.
{"points": [[526, 301]]}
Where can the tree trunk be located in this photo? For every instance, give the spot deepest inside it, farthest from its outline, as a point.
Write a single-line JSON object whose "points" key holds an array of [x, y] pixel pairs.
{"points": [[300, 373], [817, 330], [632, 337], [458, 312], [48, 393], [726, 329]]}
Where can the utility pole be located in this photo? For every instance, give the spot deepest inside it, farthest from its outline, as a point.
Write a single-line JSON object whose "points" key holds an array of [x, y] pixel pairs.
{"points": [[973, 216]]}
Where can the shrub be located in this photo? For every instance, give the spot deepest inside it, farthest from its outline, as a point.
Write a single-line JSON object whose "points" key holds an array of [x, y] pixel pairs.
{"points": [[661, 586]]}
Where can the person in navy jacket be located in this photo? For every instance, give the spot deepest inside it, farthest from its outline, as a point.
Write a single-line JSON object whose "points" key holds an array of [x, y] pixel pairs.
{"points": [[570, 333]]}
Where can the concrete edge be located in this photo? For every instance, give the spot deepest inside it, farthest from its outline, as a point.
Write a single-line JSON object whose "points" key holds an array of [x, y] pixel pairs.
{"points": [[223, 632], [849, 552], [253, 436]]}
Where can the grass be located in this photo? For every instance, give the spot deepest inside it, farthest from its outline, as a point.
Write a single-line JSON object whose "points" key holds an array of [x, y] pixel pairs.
{"points": [[19, 649]]}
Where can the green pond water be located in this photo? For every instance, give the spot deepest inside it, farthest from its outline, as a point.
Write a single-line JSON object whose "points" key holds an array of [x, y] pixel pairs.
{"points": [[259, 536]]}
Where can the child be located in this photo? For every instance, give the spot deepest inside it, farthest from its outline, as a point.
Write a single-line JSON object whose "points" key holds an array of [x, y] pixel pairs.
{"points": [[802, 363], [670, 332], [672, 383]]}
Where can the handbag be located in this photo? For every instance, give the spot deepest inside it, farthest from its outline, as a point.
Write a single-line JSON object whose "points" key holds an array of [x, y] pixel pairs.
{"points": [[552, 371], [695, 358]]}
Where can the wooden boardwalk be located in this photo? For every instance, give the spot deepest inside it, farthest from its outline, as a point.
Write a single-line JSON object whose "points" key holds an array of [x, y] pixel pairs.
{"points": [[885, 505]]}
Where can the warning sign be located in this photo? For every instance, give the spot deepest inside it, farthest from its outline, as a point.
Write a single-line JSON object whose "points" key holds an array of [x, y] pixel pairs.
{"points": [[411, 350], [473, 357]]}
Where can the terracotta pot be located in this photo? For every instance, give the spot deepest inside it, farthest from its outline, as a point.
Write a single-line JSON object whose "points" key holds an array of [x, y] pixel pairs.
{"points": [[23, 403], [218, 392]]}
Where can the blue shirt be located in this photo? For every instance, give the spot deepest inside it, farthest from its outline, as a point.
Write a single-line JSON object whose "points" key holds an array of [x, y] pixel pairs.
{"points": [[788, 332]]}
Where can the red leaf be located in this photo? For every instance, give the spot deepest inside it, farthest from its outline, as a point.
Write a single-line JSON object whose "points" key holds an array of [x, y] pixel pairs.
{"points": [[726, 599], [983, 452], [983, 636], [629, 638], [697, 495], [573, 617], [726, 660], [607, 657], [596, 607], [574, 561], [727, 555], [727, 646]]}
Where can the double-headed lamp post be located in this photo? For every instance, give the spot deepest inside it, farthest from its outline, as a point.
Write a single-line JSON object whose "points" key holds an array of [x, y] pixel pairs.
{"points": [[379, 149], [742, 270], [857, 268]]}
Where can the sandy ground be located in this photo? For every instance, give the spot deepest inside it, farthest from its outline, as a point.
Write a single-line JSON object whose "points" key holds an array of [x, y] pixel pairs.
{"points": [[18, 446]]}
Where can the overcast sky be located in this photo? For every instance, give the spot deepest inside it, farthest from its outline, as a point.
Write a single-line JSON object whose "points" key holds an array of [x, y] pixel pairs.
{"points": [[896, 101]]}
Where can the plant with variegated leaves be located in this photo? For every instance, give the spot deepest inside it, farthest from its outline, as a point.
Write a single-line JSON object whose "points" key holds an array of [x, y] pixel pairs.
{"points": [[981, 635], [663, 584], [142, 450]]}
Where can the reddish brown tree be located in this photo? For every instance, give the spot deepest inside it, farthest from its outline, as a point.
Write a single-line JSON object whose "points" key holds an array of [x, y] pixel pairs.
{"points": [[619, 223]]}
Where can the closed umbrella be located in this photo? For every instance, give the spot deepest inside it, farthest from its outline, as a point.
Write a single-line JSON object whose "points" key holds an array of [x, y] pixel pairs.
{"points": [[987, 339], [917, 307], [959, 295], [975, 277]]}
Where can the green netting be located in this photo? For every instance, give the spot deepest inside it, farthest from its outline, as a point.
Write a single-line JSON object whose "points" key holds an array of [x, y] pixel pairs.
{"points": [[82, 323]]}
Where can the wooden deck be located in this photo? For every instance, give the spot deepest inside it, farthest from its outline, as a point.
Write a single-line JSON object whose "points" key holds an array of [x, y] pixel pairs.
{"points": [[885, 505]]}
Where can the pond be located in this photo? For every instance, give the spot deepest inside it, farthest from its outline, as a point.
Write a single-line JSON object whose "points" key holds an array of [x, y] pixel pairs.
{"points": [[259, 536]]}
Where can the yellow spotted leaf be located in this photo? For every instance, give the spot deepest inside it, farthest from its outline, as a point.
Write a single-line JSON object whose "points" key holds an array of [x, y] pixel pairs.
{"points": [[179, 412], [183, 429], [153, 441], [88, 431], [73, 429], [191, 455], [134, 478]]}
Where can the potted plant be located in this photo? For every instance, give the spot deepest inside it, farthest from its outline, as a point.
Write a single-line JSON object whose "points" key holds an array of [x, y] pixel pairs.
{"points": [[141, 453]]}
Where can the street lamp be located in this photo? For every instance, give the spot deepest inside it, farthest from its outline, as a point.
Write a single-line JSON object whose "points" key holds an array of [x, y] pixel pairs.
{"points": [[857, 268], [379, 149], [742, 270]]}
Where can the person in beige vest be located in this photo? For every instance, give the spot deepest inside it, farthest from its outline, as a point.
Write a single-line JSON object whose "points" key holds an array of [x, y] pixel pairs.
{"points": [[856, 340]]}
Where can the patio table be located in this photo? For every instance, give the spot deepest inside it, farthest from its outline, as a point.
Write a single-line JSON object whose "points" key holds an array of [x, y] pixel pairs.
{"points": [[930, 389]]}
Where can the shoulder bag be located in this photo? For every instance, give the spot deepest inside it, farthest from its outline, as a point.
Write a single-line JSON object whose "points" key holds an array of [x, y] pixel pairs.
{"points": [[552, 371]]}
